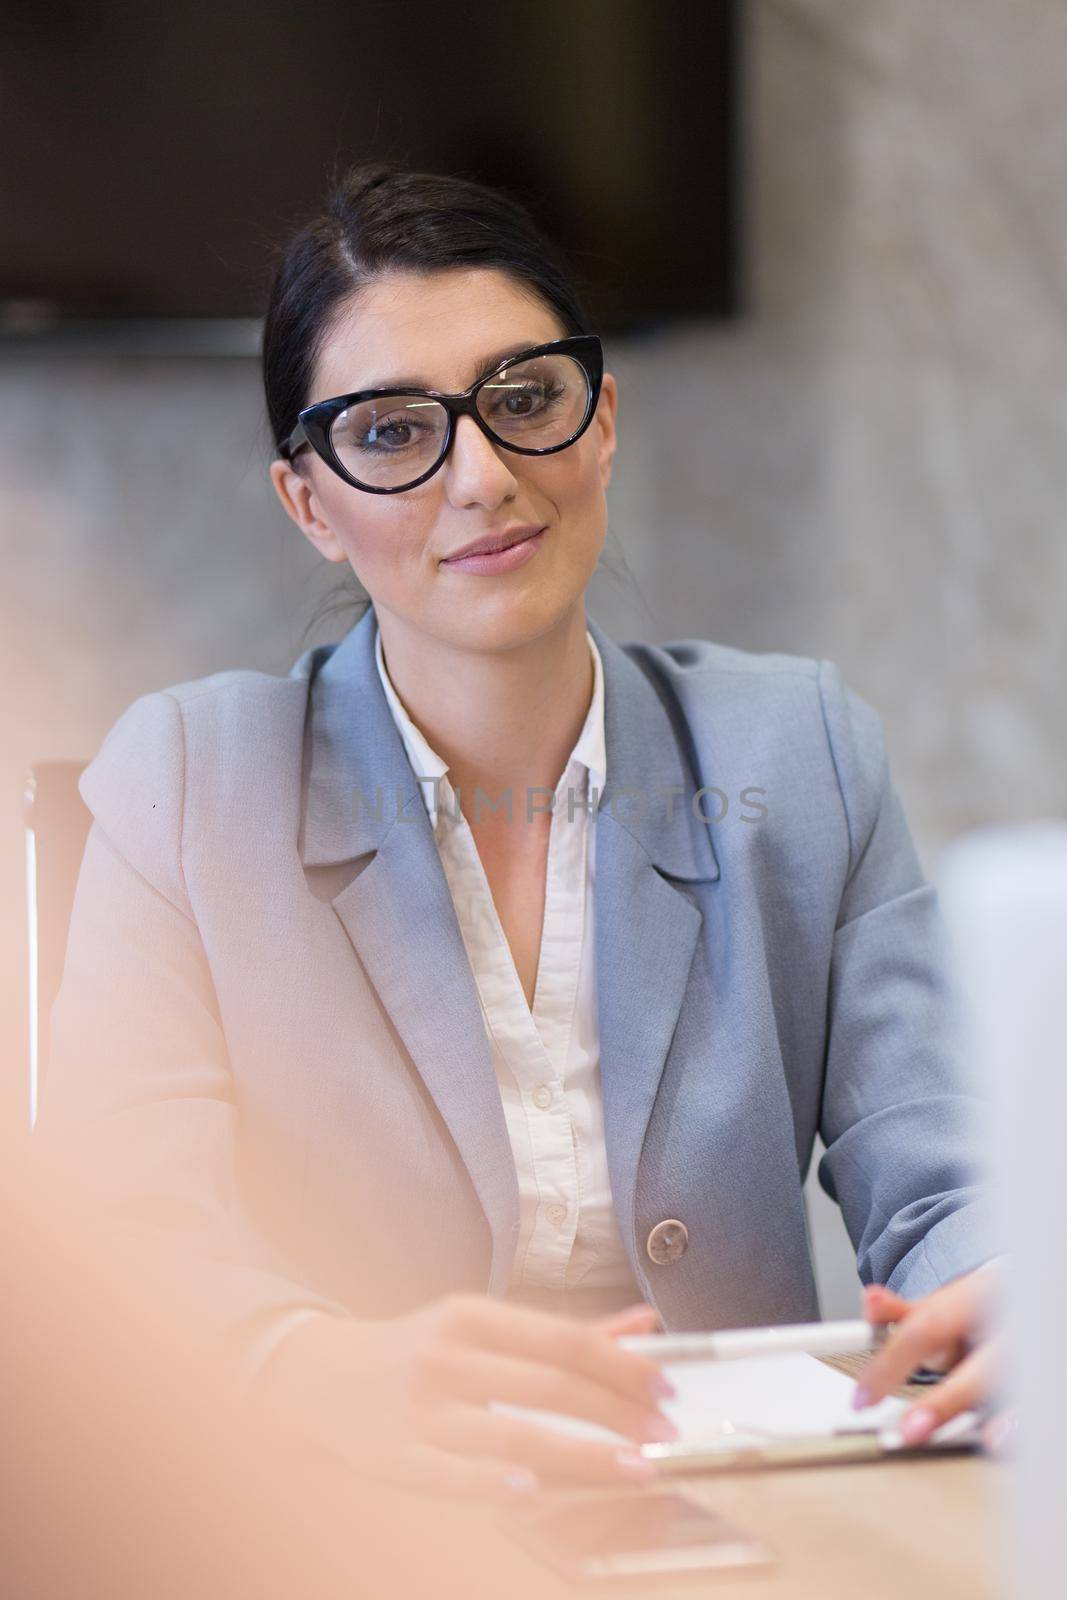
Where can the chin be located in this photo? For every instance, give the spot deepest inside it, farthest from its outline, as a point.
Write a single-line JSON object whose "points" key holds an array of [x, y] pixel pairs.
{"points": [[504, 621]]}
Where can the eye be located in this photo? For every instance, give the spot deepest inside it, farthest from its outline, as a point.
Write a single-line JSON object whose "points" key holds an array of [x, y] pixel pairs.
{"points": [[392, 434], [403, 427], [526, 397]]}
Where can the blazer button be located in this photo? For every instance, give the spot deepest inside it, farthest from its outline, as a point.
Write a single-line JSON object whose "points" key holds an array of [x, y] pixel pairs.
{"points": [[667, 1242]]}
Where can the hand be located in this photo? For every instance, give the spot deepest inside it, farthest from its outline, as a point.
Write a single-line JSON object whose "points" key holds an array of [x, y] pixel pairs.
{"points": [[949, 1331], [407, 1398]]}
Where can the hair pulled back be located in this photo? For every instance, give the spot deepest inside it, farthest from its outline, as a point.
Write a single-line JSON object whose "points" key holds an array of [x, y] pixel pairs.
{"points": [[378, 218]]}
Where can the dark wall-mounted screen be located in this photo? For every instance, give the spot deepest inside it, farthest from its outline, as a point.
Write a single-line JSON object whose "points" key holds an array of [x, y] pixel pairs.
{"points": [[155, 154]]}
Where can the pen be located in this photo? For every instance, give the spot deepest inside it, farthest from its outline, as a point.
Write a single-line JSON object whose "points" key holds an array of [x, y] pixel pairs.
{"points": [[733, 1344]]}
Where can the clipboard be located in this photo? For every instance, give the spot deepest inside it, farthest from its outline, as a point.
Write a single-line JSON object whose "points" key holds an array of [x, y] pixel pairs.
{"points": [[834, 1449], [769, 1412]]}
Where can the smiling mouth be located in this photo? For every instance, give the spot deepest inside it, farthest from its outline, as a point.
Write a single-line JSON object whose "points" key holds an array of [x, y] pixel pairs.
{"points": [[495, 549]]}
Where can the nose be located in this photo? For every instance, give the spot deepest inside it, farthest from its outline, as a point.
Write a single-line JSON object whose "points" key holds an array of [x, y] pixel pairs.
{"points": [[476, 472]]}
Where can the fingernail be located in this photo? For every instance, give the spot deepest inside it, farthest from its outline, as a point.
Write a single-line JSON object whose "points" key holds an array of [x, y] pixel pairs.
{"points": [[917, 1425], [635, 1465], [862, 1397], [659, 1429], [661, 1386], [520, 1481]]}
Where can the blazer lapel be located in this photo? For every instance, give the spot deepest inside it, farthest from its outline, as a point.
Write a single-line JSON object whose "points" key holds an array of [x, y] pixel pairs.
{"points": [[648, 844], [367, 834], [363, 801]]}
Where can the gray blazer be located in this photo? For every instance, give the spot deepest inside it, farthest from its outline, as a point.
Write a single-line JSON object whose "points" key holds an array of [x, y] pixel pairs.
{"points": [[269, 1036]]}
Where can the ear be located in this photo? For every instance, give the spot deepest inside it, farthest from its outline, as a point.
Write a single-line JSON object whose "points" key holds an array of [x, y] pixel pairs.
{"points": [[604, 422], [300, 502]]}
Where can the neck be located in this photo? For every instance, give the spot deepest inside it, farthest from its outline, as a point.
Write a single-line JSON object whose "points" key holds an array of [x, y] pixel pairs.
{"points": [[500, 718]]}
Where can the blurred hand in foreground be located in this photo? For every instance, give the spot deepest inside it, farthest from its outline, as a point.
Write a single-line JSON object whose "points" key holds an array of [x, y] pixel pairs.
{"points": [[407, 1399]]}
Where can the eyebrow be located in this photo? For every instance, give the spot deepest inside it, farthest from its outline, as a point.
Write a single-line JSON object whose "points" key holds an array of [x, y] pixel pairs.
{"points": [[486, 365]]}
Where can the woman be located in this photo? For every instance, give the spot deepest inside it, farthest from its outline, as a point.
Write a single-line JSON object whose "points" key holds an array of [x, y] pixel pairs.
{"points": [[477, 991]]}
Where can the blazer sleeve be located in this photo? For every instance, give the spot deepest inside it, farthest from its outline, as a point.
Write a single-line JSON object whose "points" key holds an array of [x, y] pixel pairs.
{"points": [[903, 1129], [138, 1091]]}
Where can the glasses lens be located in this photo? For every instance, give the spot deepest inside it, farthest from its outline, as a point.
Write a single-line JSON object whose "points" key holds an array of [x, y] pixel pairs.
{"points": [[388, 443], [538, 403]]}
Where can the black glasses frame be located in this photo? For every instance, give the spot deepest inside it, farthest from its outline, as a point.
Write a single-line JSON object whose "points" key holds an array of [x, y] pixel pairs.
{"points": [[315, 422]]}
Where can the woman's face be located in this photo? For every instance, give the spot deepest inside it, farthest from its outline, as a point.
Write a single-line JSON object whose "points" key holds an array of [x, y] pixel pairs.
{"points": [[443, 329]]}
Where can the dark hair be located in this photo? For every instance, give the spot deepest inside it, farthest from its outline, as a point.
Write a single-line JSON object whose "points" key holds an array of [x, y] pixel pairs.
{"points": [[379, 218]]}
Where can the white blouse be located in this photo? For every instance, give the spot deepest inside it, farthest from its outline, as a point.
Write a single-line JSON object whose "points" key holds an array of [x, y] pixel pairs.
{"points": [[547, 1060]]}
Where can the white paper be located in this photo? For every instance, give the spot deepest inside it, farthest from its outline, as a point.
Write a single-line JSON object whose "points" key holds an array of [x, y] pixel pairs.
{"points": [[753, 1401]]}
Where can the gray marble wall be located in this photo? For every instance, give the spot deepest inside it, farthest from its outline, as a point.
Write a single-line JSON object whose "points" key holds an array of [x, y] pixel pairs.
{"points": [[871, 465]]}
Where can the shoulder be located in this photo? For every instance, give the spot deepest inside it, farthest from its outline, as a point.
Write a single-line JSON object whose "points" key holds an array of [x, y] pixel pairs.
{"points": [[781, 709], [220, 733], [701, 670]]}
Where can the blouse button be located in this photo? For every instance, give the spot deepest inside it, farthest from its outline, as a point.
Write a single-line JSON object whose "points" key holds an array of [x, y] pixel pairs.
{"points": [[667, 1242], [556, 1214], [542, 1097]]}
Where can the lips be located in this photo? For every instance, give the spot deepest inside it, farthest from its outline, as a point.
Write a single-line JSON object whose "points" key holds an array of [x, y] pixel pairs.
{"points": [[491, 546]]}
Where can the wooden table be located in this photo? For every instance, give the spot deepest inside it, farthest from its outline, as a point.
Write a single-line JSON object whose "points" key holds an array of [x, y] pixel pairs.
{"points": [[894, 1530]]}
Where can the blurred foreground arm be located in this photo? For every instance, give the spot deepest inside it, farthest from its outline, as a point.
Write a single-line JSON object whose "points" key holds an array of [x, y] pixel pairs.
{"points": [[139, 1092], [140, 1095]]}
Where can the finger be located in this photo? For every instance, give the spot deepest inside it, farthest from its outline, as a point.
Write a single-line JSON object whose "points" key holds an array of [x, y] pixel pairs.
{"points": [[880, 1305], [942, 1360], [432, 1470], [966, 1389], [933, 1324], [563, 1342], [448, 1372], [546, 1452], [637, 1319]]}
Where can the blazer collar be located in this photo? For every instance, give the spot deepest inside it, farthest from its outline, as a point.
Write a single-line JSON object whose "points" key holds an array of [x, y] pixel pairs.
{"points": [[360, 781]]}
